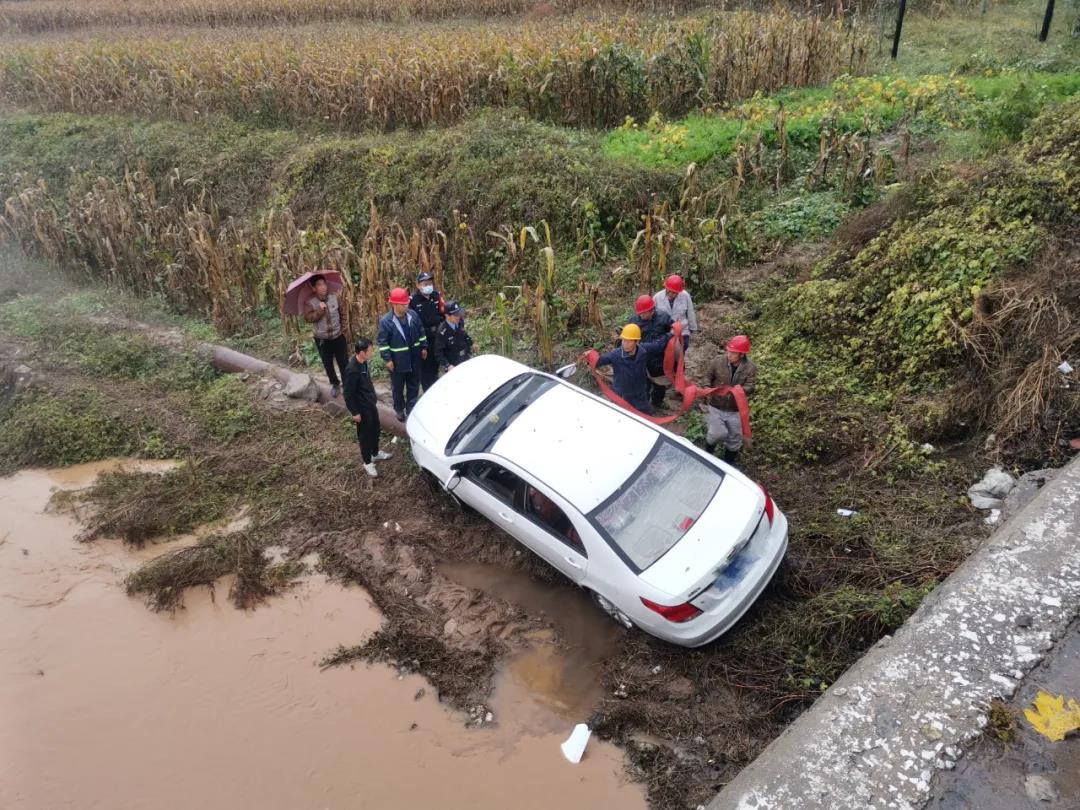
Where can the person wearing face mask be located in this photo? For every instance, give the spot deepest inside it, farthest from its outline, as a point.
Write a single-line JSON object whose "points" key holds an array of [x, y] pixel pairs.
{"points": [[428, 303]]}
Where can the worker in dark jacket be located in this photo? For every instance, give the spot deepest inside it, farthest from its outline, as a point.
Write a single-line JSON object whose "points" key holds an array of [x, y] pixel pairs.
{"points": [[403, 347], [654, 326], [427, 302], [453, 346], [361, 402], [629, 362]]}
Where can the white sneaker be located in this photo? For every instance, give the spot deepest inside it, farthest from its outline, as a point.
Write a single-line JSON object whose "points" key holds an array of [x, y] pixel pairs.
{"points": [[370, 470], [382, 455]]}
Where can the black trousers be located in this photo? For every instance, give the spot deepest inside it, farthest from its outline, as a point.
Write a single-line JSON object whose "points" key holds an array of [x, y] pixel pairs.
{"points": [[367, 434], [330, 350], [405, 387], [429, 369]]}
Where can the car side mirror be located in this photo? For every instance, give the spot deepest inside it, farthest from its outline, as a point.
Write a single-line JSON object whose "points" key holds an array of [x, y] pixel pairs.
{"points": [[451, 483], [566, 372]]}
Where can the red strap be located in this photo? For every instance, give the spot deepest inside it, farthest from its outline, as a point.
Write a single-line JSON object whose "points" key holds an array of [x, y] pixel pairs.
{"points": [[675, 370]]}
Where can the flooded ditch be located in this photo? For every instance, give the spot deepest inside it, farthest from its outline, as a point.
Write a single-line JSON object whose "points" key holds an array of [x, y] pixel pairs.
{"points": [[106, 704]]}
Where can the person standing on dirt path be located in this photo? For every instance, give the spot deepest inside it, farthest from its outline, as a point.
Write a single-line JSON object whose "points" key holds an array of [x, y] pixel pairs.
{"points": [[403, 347], [654, 326], [724, 423], [362, 404], [330, 327], [428, 303], [453, 346], [630, 364], [675, 302]]}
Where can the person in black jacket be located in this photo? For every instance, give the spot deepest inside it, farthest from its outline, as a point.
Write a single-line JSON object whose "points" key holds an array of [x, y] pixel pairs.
{"points": [[654, 326], [453, 346], [427, 302], [361, 402]]}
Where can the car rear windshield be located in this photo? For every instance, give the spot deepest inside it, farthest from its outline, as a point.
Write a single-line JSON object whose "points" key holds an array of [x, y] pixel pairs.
{"points": [[658, 504], [479, 430]]}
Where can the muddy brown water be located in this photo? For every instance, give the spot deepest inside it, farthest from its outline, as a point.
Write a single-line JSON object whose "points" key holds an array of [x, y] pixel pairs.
{"points": [[104, 704], [563, 680]]}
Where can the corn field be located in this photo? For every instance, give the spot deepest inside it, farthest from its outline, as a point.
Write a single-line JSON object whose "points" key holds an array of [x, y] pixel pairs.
{"points": [[564, 70], [168, 239], [41, 16]]}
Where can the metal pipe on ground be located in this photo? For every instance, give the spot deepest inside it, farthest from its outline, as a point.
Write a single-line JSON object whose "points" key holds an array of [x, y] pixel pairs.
{"points": [[231, 362]]}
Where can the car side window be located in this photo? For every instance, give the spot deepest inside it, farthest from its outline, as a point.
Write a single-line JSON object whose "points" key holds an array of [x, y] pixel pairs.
{"points": [[547, 513], [500, 482]]}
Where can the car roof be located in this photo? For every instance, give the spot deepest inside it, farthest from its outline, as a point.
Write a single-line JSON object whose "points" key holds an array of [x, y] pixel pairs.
{"points": [[581, 447]]}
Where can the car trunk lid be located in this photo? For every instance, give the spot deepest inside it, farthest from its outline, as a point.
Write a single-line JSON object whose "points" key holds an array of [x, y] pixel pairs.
{"points": [[701, 555]]}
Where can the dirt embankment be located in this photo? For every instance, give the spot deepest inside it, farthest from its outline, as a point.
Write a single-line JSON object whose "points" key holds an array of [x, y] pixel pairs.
{"points": [[688, 720]]}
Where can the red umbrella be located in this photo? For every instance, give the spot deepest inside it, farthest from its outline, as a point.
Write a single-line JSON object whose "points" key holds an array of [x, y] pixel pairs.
{"points": [[300, 290]]}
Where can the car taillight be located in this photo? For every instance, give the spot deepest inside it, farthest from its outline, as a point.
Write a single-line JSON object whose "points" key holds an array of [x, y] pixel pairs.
{"points": [[770, 507], [673, 613]]}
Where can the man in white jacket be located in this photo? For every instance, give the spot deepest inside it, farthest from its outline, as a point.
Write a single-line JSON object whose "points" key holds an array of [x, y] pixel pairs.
{"points": [[675, 302]]}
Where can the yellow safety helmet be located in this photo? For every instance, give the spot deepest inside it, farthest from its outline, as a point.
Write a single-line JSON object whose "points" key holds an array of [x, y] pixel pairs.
{"points": [[631, 332]]}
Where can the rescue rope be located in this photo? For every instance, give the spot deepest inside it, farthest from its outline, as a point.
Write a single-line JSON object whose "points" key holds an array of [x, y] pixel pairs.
{"points": [[675, 371]]}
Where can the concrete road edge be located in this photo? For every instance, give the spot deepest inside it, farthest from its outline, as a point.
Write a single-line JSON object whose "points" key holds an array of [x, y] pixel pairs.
{"points": [[914, 700]]}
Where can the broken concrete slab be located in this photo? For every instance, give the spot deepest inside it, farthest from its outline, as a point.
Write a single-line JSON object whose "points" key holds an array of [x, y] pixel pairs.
{"points": [[975, 638], [301, 386], [1027, 487]]}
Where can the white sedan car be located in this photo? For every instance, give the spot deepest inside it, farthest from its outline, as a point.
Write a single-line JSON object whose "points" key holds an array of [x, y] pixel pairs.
{"points": [[666, 537]]}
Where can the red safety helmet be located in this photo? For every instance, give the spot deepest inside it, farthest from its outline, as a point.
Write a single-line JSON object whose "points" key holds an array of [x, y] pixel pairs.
{"points": [[643, 304], [739, 343], [399, 295], [674, 283]]}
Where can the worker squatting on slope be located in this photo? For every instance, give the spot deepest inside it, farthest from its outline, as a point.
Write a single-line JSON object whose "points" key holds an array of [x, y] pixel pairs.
{"points": [[724, 423]]}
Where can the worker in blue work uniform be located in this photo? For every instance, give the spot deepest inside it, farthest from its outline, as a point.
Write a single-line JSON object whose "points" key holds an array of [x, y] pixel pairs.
{"points": [[654, 326], [403, 348], [630, 364], [428, 303]]}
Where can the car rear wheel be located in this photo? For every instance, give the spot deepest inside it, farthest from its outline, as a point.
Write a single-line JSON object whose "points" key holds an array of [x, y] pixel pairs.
{"points": [[612, 610]]}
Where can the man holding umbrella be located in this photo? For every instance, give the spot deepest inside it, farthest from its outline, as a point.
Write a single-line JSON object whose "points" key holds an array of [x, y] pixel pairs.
{"points": [[403, 348], [314, 296], [428, 303]]}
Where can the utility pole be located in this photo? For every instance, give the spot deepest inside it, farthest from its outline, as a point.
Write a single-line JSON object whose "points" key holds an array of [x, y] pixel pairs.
{"points": [[1047, 18], [900, 25]]}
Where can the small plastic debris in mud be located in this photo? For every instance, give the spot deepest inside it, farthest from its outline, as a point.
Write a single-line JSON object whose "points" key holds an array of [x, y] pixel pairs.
{"points": [[990, 492], [846, 513], [1065, 368], [574, 747]]}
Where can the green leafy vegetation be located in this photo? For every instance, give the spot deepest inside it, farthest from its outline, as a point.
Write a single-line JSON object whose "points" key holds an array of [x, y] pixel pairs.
{"points": [[39, 429]]}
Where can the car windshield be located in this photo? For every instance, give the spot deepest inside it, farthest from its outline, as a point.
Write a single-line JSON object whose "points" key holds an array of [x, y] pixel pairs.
{"points": [[658, 504], [479, 430]]}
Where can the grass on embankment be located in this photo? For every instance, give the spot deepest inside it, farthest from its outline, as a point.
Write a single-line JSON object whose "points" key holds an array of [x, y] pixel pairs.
{"points": [[995, 107]]}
